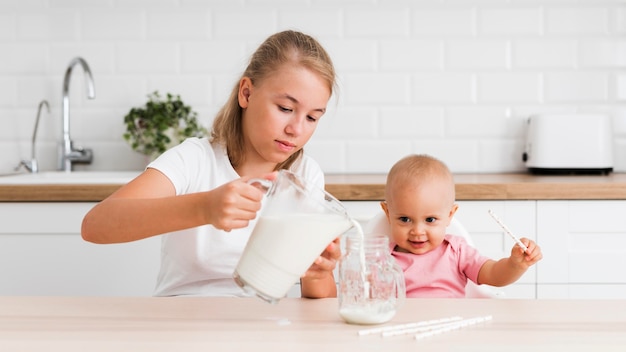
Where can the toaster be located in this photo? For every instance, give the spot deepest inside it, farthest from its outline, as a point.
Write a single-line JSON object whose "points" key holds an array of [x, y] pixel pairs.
{"points": [[569, 144]]}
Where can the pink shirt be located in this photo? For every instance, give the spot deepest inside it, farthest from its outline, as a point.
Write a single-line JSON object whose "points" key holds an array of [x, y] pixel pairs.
{"points": [[442, 272]]}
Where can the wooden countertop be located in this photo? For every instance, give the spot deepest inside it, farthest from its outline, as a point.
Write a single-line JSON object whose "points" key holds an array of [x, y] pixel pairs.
{"points": [[494, 187], [156, 324], [371, 187]]}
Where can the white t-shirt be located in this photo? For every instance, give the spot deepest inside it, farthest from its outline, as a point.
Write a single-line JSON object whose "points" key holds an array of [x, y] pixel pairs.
{"points": [[200, 261]]}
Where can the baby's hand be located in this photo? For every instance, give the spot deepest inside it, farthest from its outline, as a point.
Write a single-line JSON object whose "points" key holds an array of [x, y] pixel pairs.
{"points": [[528, 258]]}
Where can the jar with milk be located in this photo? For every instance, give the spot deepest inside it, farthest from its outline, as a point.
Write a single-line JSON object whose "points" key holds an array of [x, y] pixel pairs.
{"points": [[371, 285]]}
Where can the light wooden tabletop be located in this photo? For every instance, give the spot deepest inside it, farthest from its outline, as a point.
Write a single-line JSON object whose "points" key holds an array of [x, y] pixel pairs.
{"points": [[294, 324]]}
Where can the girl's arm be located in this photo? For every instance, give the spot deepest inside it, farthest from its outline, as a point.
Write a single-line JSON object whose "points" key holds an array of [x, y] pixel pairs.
{"points": [[147, 206]]}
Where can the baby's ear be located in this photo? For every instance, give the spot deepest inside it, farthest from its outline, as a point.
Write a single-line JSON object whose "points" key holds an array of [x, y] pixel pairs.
{"points": [[453, 210], [383, 205]]}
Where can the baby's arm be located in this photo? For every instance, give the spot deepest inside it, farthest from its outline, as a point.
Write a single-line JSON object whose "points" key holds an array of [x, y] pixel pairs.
{"points": [[508, 270]]}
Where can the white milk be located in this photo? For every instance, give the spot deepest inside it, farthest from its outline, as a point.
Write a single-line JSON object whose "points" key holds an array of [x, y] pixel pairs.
{"points": [[281, 249], [372, 313], [366, 311]]}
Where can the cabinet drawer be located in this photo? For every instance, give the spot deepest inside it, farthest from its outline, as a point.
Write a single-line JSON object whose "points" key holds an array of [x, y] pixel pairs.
{"points": [[42, 217]]}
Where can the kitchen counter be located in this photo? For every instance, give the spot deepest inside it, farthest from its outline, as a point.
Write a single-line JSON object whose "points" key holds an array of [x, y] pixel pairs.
{"points": [[33, 323], [371, 187]]}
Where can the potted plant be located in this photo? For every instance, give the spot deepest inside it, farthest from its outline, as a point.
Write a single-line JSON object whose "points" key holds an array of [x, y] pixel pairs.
{"points": [[160, 124]]}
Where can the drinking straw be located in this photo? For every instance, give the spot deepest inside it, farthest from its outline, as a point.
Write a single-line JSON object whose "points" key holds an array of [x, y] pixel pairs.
{"points": [[453, 326], [508, 232], [423, 323]]}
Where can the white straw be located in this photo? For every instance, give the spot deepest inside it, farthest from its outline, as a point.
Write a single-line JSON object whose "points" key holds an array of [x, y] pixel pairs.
{"points": [[384, 329], [508, 232], [419, 329], [453, 326]]}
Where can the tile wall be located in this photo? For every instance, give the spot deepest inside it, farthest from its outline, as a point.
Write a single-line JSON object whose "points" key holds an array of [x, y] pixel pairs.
{"points": [[453, 78]]}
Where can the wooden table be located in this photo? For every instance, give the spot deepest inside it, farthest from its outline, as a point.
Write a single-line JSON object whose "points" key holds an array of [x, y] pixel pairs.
{"points": [[294, 324]]}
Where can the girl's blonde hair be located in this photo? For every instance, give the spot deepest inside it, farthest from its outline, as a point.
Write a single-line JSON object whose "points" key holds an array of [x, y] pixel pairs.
{"points": [[284, 47]]}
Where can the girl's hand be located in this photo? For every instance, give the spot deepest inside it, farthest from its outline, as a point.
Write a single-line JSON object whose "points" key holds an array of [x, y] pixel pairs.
{"points": [[325, 263], [234, 204]]}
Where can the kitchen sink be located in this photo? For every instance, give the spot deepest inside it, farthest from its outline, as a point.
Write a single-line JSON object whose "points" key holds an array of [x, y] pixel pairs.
{"points": [[75, 177]]}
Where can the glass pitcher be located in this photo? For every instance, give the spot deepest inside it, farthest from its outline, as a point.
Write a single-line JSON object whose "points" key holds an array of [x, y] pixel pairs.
{"points": [[297, 222], [371, 284]]}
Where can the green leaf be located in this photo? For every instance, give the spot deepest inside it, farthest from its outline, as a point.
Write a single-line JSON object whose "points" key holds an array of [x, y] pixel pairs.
{"points": [[160, 124]]}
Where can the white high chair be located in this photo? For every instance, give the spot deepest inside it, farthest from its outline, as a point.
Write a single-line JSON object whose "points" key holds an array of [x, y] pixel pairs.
{"points": [[379, 224]]}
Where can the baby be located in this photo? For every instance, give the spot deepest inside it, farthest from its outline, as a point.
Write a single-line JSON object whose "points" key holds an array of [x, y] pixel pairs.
{"points": [[419, 204]]}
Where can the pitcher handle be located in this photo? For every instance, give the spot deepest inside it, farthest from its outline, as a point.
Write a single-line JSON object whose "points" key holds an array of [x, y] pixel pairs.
{"points": [[261, 184]]}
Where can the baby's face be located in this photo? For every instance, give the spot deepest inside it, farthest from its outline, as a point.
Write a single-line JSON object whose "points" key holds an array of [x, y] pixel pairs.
{"points": [[419, 214]]}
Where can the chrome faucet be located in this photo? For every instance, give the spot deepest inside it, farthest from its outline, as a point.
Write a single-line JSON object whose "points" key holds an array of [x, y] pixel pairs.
{"points": [[31, 165], [68, 154]]}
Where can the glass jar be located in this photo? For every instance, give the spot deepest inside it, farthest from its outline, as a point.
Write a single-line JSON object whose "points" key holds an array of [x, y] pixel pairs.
{"points": [[371, 284]]}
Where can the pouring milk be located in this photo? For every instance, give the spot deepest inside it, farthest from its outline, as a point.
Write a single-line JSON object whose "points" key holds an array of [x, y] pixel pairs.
{"points": [[297, 222]]}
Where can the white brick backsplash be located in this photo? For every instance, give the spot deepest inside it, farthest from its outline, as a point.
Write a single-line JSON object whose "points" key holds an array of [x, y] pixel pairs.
{"points": [[111, 91], [309, 21], [577, 20], [552, 53], [621, 87], [7, 26], [8, 92], [372, 89], [353, 55], [477, 55], [196, 89], [576, 87], [31, 90], [181, 25], [212, 56], [147, 57], [462, 122], [22, 58], [619, 20], [444, 21], [375, 156], [13, 154], [459, 155], [499, 156], [64, 4], [100, 57], [361, 122], [442, 88], [55, 25], [456, 79], [411, 55], [603, 53], [377, 23], [330, 155], [508, 87], [249, 24], [514, 20], [412, 122], [115, 25]]}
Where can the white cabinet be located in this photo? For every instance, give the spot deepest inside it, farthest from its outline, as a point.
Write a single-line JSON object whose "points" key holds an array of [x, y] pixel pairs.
{"points": [[584, 246], [42, 253], [490, 239], [583, 242]]}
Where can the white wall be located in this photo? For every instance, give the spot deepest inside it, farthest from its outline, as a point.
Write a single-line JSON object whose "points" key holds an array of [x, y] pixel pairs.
{"points": [[454, 78]]}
